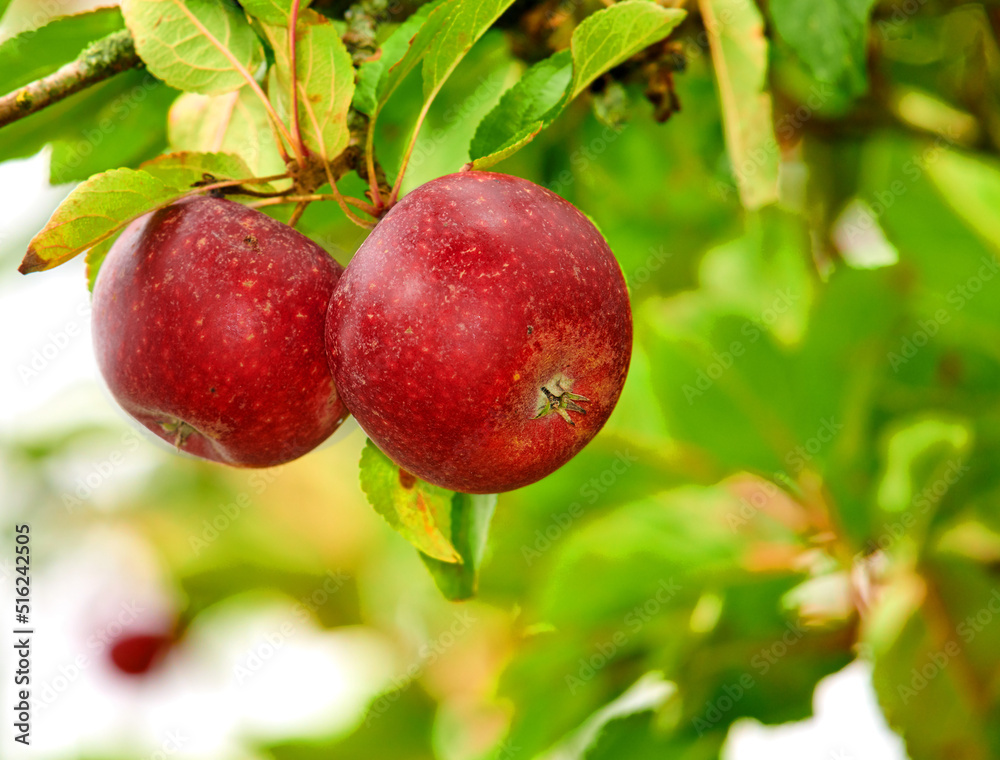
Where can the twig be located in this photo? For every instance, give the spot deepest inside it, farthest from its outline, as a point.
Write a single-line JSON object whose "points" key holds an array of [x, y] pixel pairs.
{"points": [[309, 199], [339, 197], [300, 208], [99, 61]]}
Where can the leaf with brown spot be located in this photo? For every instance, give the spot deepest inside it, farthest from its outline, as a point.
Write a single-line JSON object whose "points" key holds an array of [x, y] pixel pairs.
{"points": [[187, 168], [419, 511], [325, 81]]}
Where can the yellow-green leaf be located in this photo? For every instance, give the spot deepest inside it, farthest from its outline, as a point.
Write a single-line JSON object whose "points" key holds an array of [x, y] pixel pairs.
{"points": [[325, 80], [739, 53], [234, 123], [94, 211], [971, 186], [204, 46], [187, 168], [95, 257], [277, 12], [419, 511]]}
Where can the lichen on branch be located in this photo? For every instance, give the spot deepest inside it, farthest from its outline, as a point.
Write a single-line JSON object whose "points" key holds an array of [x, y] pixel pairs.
{"points": [[100, 60]]}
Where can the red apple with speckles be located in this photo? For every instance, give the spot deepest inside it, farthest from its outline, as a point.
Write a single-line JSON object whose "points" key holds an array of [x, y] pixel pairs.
{"points": [[482, 333], [208, 322]]}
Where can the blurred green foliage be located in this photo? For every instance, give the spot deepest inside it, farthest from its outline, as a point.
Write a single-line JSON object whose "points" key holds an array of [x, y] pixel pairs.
{"points": [[803, 469]]}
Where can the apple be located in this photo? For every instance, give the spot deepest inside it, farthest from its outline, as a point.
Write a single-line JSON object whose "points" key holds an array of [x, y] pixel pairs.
{"points": [[482, 333], [208, 322], [135, 654]]}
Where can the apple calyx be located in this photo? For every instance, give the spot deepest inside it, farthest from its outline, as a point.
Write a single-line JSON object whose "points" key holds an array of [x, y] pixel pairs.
{"points": [[562, 402], [180, 430]]}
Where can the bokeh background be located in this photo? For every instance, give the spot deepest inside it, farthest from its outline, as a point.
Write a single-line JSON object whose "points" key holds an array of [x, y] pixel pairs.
{"points": [[785, 540]]}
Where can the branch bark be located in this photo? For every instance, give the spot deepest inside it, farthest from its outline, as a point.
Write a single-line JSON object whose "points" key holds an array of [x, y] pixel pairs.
{"points": [[99, 61]]}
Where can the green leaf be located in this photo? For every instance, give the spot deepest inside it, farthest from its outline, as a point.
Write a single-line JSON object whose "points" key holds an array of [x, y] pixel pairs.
{"points": [[647, 694], [449, 32], [934, 642], [204, 46], [372, 75], [95, 257], [35, 54], [186, 169], [917, 454], [829, 36], [95, 210], [234, 123], [419, 511], [276, 12], [612, 35], [971, 186], [123, 130], [739, 52], [470, 523], [639, 737], [325, 78], [463, 23], [599, 43], [523, 110]]}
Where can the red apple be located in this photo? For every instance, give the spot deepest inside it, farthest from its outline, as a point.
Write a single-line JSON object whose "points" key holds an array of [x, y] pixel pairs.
{"points": [[208, 323], [137, 653], [482, 333]]}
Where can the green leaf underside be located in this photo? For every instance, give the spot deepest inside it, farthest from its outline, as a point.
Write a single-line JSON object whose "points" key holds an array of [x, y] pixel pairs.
{"points": [[419, 511], [828, 36], [277, 12], [739, 52], [95, 258], [325, 79], [95, 210], [235, 122], [35, 54], [470, 522], [194, 45], [601, 42]]}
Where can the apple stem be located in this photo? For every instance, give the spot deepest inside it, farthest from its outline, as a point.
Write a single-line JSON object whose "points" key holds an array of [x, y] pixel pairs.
{"points": [[339, 197], [300, 208], [370, 159], [292, 35], [361, 205], [309, 199], [236, 182]]}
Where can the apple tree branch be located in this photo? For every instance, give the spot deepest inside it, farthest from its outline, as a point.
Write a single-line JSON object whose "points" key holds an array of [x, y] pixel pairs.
{"points": [[98, 61]]}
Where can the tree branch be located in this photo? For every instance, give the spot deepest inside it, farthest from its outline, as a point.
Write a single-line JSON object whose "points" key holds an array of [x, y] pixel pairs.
{"points": [[99, 61]]}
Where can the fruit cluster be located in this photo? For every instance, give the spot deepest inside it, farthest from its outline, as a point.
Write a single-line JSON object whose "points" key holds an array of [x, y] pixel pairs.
{"points": [[480, 335]]}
